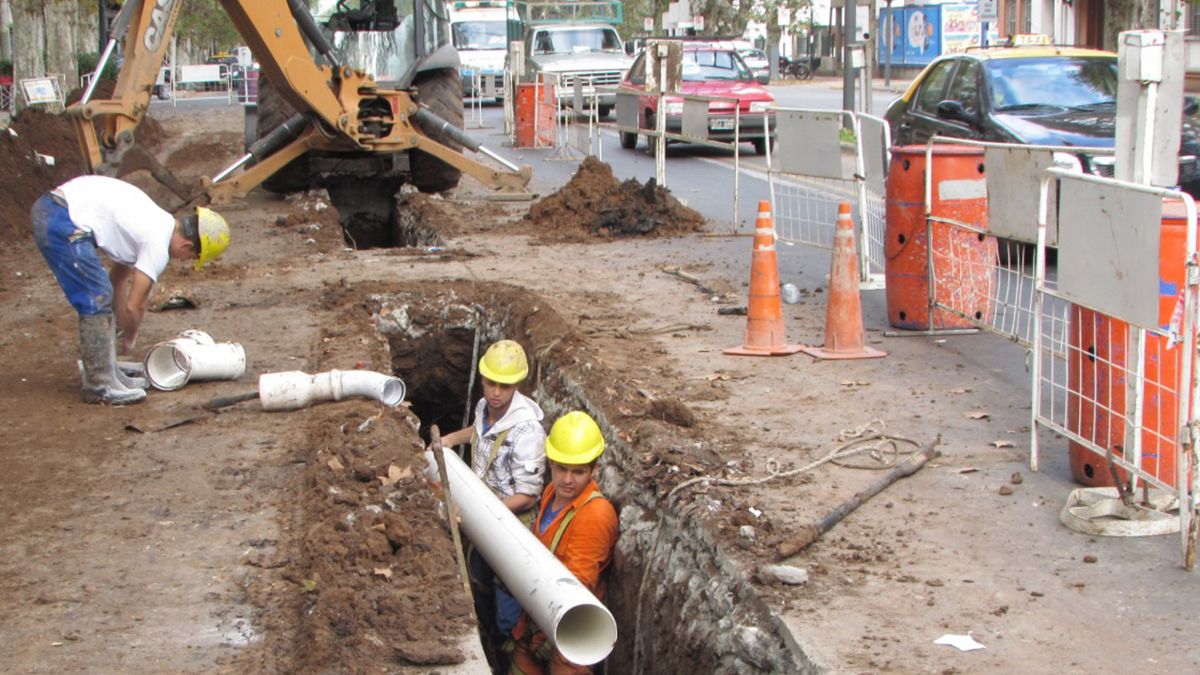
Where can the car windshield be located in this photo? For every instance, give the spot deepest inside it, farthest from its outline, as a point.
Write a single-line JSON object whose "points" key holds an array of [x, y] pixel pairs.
{"points": [[753, 54], [1030, 83], [577, 40], [706, 65], [480, 35]]}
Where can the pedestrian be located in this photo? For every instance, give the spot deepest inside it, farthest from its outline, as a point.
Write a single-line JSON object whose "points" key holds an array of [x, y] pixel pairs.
{"points": [[579, 526], [97, 213], [507, 453]]}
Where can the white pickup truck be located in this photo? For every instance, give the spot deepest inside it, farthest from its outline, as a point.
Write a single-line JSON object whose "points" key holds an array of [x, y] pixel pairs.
{"points": [[590, 51]]}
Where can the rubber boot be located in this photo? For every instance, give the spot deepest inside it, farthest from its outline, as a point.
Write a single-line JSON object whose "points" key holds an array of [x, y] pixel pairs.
{"points": [[97, 346], [128, 377]]}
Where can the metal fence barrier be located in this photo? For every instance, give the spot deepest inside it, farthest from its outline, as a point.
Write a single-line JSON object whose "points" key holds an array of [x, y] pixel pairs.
{"points": [[484, 87], [209, 82], [1113, 367], [811, 175]]}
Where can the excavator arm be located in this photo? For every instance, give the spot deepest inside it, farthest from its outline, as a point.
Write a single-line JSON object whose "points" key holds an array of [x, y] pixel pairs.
{"points": [[342, 108]]}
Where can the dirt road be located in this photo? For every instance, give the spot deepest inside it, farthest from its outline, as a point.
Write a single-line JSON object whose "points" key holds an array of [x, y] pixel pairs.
{"points": [[308, 541]]}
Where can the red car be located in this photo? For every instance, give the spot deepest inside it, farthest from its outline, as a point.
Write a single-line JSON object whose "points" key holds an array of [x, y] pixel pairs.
{"points": [[709, 69]]}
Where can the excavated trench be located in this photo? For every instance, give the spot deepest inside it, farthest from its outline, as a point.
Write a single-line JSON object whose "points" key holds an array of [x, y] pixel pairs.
{"points": [[407, 219], [680, 603]]}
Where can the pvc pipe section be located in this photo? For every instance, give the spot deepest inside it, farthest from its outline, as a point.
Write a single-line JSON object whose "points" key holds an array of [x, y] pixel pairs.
{"points": [[293, 390], [193, 356], [581, 626]]}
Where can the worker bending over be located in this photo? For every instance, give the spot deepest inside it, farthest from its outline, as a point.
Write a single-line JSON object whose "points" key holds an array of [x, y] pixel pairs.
{"points": [[507, 454], [577, 524], [90, 213]]}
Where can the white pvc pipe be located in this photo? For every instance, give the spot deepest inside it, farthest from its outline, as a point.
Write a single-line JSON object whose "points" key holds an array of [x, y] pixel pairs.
{"points": [[293, 390], [193, 356], [580, 625]]}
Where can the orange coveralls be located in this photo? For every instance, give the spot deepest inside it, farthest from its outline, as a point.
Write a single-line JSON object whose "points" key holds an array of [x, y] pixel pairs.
{"points": [[586, 549]]}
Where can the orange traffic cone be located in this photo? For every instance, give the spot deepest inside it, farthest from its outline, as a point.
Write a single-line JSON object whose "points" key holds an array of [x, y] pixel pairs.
{"points": [[843, 313], [764, 323]]}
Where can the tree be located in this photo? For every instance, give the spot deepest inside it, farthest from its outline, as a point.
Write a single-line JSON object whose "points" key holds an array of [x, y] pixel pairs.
{"points": [[768, 11], [1122, 15], [207, 26]]}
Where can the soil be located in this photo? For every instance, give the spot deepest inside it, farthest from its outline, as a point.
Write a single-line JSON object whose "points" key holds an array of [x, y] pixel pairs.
{"points": [[166, 537], [594, 203], [38, 152]]}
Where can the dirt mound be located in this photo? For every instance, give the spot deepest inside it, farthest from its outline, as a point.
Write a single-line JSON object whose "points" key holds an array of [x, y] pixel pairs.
{"points": [[37, 152], [374, 578], [26, 174], [593, 202]]}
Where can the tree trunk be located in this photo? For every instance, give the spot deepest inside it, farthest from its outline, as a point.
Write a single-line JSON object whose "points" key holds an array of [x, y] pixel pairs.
{"points": [[5, 36], [28, 44], [48, 36], [60, 19], [1122, 15]]}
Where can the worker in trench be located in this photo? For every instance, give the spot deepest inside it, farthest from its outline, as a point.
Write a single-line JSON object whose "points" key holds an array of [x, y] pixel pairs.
{"points": [[579, 526], [90, 214], [507, 453]]}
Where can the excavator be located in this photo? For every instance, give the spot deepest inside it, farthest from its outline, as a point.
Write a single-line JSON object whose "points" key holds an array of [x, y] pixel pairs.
{"points": [[357, 97]]}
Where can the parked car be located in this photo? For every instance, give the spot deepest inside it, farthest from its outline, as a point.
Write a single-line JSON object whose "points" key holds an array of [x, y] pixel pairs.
{"points": [[757, 60], [709, 69], [1036, 95]]}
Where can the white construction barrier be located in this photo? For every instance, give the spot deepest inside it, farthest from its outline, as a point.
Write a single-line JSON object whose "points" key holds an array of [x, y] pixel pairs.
{"points": [[209, 82], [815, 168], [1113, 365]]}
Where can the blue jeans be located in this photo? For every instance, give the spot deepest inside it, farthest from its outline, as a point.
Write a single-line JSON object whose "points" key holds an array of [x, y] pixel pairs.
{"points": [[508, 610], [73, 258]]}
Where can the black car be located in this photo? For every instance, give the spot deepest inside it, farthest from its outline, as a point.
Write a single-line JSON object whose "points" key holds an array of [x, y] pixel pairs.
{"points": [[1061, 96]]}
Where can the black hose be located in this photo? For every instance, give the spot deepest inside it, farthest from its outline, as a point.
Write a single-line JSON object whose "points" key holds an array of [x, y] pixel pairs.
{"points": [[434, 127], [310, 29], [283, 134]]}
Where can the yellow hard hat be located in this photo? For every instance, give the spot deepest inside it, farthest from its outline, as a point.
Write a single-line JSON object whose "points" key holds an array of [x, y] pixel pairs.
{"points": [[575, 438], [214, 235], [504, 362]]}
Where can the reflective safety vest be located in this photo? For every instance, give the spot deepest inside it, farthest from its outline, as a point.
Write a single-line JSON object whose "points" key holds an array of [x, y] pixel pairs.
{"points": [[562, 526]]}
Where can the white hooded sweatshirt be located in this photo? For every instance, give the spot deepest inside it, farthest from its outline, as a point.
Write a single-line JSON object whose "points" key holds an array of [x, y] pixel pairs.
{"points": [[520, 463]]}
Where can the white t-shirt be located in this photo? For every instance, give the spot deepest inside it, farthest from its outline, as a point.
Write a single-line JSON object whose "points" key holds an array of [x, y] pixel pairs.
{"points": [[127, 225]]}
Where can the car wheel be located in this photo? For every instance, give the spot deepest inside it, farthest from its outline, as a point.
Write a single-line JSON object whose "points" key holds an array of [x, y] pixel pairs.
{"points": [[604, 111], [628, 140], [760, 146]]}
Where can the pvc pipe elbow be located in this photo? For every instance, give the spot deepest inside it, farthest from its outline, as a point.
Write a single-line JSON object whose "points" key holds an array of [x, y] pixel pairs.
{"points": [[294, 389]]}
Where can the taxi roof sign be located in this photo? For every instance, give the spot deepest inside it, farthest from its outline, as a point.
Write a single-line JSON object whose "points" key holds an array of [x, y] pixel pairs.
{"points": [[1029, 40]]}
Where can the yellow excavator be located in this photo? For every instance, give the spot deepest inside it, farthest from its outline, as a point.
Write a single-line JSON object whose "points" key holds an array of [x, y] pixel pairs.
{"points": [[358, 97]]}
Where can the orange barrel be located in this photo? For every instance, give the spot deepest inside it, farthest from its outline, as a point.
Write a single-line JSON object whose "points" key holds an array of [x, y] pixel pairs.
{"points": [[535, 117], [964, 261], [1096, 396]]}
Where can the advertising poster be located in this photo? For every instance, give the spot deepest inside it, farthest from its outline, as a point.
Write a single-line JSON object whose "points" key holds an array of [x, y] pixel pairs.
{"points": [[960, 28], [921, 34], [916, 35]]}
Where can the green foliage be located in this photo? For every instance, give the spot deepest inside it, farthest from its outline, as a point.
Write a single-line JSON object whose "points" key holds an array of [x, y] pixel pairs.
{"points": [[87, 61], [206, 24], [6, 67]]}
